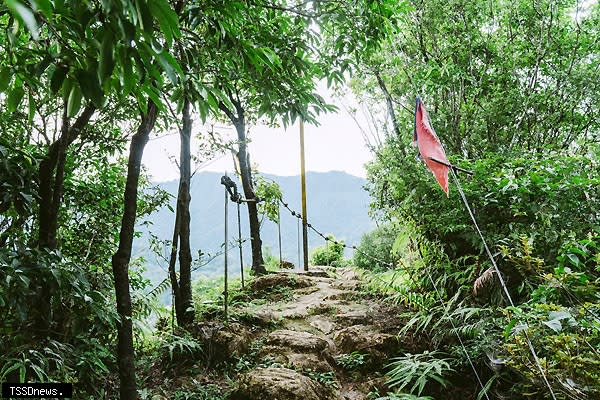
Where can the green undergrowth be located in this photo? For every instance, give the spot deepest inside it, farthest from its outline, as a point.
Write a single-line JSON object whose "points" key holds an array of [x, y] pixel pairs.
{"points": [[556, 311]]}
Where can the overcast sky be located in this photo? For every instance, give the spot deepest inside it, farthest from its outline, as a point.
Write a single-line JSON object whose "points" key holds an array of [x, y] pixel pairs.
{"points": [[337, 144]]}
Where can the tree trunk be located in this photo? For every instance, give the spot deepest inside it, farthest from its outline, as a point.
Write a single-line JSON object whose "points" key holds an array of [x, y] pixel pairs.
{"points": [[389, 103], [173, 262], [120, 261], [185, 308], [51, 177], [258, 267], [51, 174]]}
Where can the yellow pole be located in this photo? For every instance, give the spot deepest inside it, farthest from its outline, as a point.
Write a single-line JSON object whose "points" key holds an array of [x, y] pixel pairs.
{"points": [[303, 183]]}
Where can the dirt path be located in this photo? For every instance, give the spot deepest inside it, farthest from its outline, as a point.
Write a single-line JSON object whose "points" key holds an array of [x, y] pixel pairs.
{"points": [[324, 337]]}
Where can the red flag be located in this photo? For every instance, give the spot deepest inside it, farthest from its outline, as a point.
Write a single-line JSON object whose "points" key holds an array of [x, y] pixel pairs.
{"points": [[430, 147]]}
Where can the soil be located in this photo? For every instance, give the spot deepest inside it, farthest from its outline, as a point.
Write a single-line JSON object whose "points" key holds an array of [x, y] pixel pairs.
{"points": [[318, 325]]}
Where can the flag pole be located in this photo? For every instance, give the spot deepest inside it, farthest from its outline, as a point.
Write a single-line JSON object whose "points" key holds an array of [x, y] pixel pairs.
{"points": [[454, 167], [303, 184], [429, 145]]}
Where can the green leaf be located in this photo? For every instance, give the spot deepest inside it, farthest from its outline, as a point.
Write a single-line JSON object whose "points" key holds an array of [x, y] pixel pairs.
{"points": [[167, 19], [106, 63], [32, 108], [58, 77], [554, 324], [128, 78], [74, 102], [44, 6], [163, 59], [24, 14], [14, 98], [154, 96], [90, 87], [5, 78], [144, 16]]}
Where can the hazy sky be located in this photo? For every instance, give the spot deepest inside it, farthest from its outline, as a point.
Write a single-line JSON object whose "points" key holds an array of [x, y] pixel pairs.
{"points": [[337, 144]]}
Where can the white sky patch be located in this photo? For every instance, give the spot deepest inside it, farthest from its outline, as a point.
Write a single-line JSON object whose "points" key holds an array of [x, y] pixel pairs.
{"points": [[336, 145]]}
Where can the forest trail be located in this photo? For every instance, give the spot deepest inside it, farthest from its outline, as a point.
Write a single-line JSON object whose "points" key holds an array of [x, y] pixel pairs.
{"points": [[307, 335]]}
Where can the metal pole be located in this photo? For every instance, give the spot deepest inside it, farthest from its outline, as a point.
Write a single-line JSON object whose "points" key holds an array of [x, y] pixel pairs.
{"points": [[279, 231], [226, 251], [303, 183], [298, 236], [240, 244]]}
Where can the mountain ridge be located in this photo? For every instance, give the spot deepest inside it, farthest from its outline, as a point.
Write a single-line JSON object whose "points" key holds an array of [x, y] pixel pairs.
{"points": [[337, 204]]}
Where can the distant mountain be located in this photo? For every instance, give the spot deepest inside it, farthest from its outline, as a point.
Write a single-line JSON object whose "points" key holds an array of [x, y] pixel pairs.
{"points": [[337, 204]]}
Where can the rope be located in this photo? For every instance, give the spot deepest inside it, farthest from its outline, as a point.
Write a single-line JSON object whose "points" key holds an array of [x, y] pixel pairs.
{"points": [[502, 282], [328, 239]]}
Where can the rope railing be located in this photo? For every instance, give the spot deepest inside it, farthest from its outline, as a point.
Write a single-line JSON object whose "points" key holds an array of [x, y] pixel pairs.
{"points": [[336, 242]]}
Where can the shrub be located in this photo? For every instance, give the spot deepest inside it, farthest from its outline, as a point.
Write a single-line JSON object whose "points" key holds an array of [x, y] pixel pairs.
{"points": [[379, 244], [548, 197], [330, 254]]}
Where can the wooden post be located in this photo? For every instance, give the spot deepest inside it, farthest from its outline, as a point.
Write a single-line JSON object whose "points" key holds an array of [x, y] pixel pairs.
{"points": [[303, 183]]}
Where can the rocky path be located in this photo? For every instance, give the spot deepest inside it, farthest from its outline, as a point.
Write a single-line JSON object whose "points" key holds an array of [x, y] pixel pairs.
{"points": [[313, 336]]}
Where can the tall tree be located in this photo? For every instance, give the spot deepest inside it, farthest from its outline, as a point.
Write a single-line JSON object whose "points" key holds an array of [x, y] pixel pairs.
{"points": [[510, 75], [182, 287], [120, 261], [262, 73]]}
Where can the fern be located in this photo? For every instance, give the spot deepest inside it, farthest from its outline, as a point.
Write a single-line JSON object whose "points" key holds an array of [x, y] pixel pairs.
{"points": [[418, 370]]}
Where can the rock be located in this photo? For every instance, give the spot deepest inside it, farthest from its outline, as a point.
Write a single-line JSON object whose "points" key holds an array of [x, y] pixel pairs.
{"points": [[347, 285], [268, 283], [342, 295], [359, 317], [299, 350], [352, 394], [297, 361], [300, 341], [223, 342], [284, 264], [277, 384], [316, 273], [322, 324], [367, 339]]}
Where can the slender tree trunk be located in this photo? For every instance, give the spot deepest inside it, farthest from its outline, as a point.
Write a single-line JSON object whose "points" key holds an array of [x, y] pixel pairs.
{"points": [[389, 103], [120, 261], [258, 267], [173, 263], [185, 308]]}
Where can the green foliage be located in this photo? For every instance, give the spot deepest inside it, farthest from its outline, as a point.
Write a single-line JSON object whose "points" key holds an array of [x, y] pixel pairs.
{"points": [[178, 351], [269, 192], [378, 243], [560, 320], [201, 392], [534, 195], [332, 253], [493, 82], [271, 261], [418, 370], [327, 379], [404, 396], [353, 361]]}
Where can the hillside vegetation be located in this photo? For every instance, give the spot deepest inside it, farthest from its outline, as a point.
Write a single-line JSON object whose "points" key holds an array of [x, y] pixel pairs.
{"points": [[491, 292]]}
